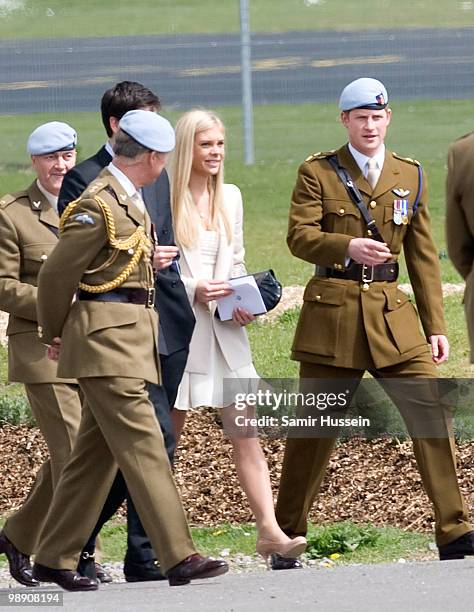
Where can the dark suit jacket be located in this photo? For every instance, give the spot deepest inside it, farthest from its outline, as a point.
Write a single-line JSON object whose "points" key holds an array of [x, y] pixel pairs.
{"points": [[176, 315]]}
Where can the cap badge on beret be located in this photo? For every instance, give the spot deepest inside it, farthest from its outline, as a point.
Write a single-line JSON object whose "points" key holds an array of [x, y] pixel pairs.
{"points": [[363, 93]]}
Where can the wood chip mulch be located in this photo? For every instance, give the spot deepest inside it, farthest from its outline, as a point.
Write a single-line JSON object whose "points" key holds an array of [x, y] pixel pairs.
{"points": [[367, 481]]}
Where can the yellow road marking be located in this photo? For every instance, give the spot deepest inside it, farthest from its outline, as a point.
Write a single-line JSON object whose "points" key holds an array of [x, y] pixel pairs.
{"points": [[350, 61], [263, 65]]}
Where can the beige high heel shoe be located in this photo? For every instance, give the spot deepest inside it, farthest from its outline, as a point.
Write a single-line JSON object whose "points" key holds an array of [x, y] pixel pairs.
{"points": [[290, 549]]}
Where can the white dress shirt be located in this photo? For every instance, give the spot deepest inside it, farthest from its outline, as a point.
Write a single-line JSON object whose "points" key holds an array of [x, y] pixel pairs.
{"points": [[128, 187], [52, 199], [361, 159]]}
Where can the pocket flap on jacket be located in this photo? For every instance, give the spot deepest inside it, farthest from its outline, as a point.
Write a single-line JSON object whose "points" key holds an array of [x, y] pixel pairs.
{"points": [[340, 208], [325, 292], [395, 298], [37, 252], [103, 315]]}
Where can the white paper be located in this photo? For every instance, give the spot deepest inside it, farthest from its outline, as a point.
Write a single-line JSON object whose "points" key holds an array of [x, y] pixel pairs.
{"points": [[245, 295]]}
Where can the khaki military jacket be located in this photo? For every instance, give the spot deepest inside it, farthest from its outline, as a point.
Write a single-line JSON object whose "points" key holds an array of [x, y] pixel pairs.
{"points": [[99, 338], [27, 236], [460, 220], [460, 204], [343, 323]]}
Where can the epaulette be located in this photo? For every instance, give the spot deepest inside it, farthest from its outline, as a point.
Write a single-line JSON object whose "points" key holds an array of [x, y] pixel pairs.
{"points": [[94, 188], [12, 197], [415, 162], [464, 136], [320, 155]]}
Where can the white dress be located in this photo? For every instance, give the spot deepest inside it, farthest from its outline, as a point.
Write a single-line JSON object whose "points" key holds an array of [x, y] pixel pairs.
{"points": [[207, 389]]}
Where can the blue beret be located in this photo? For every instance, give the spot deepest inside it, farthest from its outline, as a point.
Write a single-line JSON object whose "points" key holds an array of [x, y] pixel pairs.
{"points": [[51, 137], [149, 129], [363, 93]]}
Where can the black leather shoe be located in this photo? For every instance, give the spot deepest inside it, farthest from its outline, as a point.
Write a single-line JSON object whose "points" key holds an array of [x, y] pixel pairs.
{"points": [[284, 563], [142, 572], [20, 566], [102, 576], [196, 567], [67, 579], [459, 548], [90, 569]]}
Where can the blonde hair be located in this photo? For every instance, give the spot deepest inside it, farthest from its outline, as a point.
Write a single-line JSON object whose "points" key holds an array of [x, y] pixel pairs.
{"points": [[185, 215]]}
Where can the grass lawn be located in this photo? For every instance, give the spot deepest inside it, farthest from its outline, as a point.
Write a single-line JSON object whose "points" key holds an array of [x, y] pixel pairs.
{"points": [[69, 18], [370, 544], [284, 136], [271, 344]]}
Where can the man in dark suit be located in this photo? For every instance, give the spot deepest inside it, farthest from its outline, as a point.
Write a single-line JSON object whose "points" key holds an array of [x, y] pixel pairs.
{"points": [[176, 317]]}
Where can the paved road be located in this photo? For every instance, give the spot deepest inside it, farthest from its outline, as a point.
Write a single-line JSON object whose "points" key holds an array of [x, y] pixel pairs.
{"points": [[71, 74], [410, 587]]}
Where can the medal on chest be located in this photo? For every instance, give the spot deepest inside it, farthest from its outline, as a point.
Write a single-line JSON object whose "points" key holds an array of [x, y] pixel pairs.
{"points": [[400, 212]]}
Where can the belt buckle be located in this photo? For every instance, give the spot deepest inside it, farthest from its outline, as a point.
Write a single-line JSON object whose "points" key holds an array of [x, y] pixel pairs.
{"points": [[87, 555], [365, 278], [150, 297]]}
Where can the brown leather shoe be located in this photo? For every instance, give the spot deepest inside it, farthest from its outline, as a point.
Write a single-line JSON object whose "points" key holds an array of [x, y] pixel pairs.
{"points": [[196, 567], [67, 579], [20, 566]]}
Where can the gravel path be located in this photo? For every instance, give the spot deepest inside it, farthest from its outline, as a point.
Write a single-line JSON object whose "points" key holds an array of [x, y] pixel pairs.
{"points": [[239, 564]]}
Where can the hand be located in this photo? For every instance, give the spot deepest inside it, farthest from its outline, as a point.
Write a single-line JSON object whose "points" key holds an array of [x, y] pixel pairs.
{"points": [[367, 251], [53, 349], [163, 256], [242, 316], [208, 290], [439, 348]]}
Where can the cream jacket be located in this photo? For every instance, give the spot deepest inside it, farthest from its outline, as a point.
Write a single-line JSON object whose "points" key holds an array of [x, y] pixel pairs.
{"points": [[232, 338]]}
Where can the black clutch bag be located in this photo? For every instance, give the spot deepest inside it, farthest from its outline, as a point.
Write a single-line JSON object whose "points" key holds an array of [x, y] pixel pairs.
{"points": [[270, 288]]}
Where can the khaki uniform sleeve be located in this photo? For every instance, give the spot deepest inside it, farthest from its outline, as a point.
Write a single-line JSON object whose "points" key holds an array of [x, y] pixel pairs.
{"points": [[306, 239], [16, 298], [78, 245], [458, 236], [423, 268]]}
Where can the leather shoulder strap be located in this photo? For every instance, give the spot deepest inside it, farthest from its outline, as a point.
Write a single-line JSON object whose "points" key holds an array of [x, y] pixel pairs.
{"points": [[355, 196]]}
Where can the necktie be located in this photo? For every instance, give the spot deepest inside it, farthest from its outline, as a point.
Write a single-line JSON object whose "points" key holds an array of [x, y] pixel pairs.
{"points": [[372, 173], [138, 201]]}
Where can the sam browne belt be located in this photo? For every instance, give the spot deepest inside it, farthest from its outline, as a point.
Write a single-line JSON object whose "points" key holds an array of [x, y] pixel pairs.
{"points": [[145, 297], [362, 273]]}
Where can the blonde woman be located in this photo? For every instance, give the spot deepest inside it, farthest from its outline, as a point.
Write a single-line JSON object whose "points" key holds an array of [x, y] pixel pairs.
{"points": [[208, 231]]}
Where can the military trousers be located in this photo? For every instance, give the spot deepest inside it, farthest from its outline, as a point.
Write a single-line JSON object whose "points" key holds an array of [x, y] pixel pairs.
{"points": [[139, 549], [57, 410], [306, 459], [469, 312], [118, 429]]}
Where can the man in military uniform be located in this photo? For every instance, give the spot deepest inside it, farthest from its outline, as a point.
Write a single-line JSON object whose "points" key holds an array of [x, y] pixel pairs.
{"points": [[354, 318], [107, 339], [175, 312], [460, 220], [28, 233]]}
